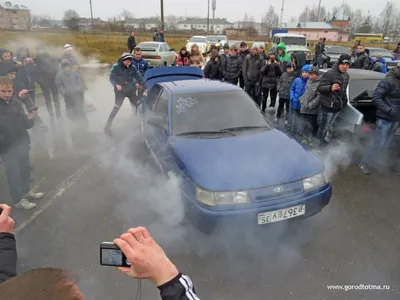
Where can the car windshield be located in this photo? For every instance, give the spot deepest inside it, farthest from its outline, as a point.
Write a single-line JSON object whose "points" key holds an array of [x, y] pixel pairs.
{"points": [[222, 37], [360, 85], [381, 52], [197, 40], [291, 40], [338, 50], [212, 39], [148, 46], [215, 111]]}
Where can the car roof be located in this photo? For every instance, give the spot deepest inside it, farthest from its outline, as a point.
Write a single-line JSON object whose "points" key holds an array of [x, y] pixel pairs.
{"points": [[199, 36], [357, 74], [199, 86], [153, 43], [288, 34], [374, 48]]}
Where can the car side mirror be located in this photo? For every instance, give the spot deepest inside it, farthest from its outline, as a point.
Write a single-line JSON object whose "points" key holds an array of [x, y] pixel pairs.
{"points": [[159, 122]]}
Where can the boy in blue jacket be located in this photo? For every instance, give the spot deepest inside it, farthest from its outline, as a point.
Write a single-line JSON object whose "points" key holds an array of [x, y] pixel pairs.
{"points": [[296, 91]]}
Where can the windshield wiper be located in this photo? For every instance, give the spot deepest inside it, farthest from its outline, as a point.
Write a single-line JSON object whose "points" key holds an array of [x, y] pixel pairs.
{"points": [[206, 132], [239, 128]]}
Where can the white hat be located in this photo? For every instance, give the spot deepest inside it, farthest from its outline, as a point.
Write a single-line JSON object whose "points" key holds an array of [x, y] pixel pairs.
{"points": [[126, 55], [67, 46]]}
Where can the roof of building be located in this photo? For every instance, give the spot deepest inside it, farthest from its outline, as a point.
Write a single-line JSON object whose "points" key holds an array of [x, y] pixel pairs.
{"points": [[9, 5], [203, 21]]}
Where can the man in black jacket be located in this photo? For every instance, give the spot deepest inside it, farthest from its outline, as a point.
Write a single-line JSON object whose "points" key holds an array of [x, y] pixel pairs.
{"points": [[15, 146], [212, 69], [8, 249], [125, 79], [224, 56], [319, 50], [46, 71], [252, 73], [362, 60], [131, 42], [244, 51], [232, 68], [386, 99], [333, 96], [270, 72]]}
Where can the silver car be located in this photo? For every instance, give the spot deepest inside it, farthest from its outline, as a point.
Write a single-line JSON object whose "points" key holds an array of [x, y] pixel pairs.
{"points": [[157, 54]]}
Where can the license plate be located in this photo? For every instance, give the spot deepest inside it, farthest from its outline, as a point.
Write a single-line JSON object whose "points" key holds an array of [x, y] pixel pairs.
{"points": [[398, 131], [281, 214]]}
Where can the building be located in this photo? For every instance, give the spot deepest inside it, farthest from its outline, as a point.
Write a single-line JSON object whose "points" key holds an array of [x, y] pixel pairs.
{"points": [[217, 26], [336, 30], [14, 17], [143, 24], [86, 23]]}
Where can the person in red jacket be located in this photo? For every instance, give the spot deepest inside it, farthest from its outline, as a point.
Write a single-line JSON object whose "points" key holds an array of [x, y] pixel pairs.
{"points": [[183, 58]]}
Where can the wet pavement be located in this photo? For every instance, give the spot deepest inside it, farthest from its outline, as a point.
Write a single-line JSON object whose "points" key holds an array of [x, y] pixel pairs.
{"points": [[96, 187]]}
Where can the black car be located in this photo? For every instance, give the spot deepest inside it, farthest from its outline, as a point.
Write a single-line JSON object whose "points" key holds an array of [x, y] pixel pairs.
{"points": [[333, 53]]}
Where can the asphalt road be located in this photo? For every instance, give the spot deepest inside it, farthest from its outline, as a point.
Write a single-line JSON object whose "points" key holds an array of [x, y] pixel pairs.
{"points": [[97, 187]]}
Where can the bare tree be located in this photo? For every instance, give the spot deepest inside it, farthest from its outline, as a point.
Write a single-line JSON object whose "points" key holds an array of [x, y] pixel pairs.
{"points": [[71, 19], [356, 21], [387, 18], [270, 20], [126, 14], [367, 25]]}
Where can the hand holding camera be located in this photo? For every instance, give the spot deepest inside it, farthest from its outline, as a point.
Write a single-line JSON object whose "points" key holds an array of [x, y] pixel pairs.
{"points": [[6, 222], [147, 259]]}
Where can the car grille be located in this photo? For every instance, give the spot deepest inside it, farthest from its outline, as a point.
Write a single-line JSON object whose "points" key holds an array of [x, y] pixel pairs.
{"points": [[277, 191]]}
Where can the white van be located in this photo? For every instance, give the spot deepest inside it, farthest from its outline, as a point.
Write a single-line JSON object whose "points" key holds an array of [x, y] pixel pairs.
{"points": [[289, 39]]}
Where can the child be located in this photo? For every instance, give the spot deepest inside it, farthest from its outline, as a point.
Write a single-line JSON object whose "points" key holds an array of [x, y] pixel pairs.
{"points": [[296, 91], [71, 86], [212, 69], [284, 84], [309, 104], [183, 58]]}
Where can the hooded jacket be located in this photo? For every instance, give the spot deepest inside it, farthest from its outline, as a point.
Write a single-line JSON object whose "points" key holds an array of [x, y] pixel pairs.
{"points": [[196, 58], [183, 59], [14, 125], [362, 61], [69, 83], [270, 75], [380, 66], [46, 67], [386, 97], [126, 77], [284, 57], [333, 101], [213, 68], [232, 67], [284, 84], [8, 256], [310, 99], [142, 65], [298, 88], [252, 66]]}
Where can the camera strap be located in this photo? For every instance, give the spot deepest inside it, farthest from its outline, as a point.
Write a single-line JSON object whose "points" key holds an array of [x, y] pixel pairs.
{"points": [[139, 290]]}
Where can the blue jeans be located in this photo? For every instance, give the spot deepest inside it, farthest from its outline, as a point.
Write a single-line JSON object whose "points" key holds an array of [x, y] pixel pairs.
{"points": [[383, 136], [326, 120], [318, 60]]}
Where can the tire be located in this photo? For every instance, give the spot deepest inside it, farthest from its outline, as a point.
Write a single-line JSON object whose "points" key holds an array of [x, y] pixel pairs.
{"points": [[325, 66]]}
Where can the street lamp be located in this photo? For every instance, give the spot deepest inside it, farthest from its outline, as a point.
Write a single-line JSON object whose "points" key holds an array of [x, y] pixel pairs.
{"points": [[208, 17], [162, 14], [91, 14]]}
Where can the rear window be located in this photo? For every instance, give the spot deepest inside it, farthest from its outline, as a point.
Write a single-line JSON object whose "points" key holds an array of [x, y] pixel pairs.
{"points": [[382, 52], [148, 46], [197, 40], [338, 50]]}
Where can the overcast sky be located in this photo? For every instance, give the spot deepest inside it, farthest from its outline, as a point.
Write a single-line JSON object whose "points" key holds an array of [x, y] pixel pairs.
{"points": [[233, 10]]}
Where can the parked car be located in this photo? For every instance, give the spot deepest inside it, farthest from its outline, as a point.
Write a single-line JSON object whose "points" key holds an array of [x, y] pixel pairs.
{"points": [[215, 40], [202, 130], [388, 56], [200, 41], [333, 53], [158, 54]]}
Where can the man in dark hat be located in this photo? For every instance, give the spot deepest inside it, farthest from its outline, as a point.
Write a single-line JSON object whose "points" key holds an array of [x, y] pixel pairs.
{"points": [[125, 79], [333, 96]]}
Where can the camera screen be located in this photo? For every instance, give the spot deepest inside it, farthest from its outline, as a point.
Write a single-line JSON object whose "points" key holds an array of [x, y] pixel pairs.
{"points": [[111, 257]]}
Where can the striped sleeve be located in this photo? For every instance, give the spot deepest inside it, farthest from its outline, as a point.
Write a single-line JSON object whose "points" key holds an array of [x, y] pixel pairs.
{"points": [[179, 288]]}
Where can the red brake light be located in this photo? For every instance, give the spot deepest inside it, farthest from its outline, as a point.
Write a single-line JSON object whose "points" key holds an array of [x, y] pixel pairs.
{"points": [[158, 57]]}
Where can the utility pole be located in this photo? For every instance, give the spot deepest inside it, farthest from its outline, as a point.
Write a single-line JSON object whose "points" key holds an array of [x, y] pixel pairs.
{"points": [[319, 10], [91, 14], [162, 14], [281, 22], [208, 17]]}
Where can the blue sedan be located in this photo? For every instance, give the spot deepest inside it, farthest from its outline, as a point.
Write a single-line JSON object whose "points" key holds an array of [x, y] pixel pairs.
{"points": [[231, 160]]}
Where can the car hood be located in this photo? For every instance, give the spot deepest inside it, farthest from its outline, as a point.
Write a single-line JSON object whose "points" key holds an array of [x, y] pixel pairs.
{"points": [[245, 162]]}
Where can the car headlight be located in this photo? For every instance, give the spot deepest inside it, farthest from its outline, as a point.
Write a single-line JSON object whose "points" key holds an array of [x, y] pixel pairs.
{"points": [[314, 182], [221, 198]]}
